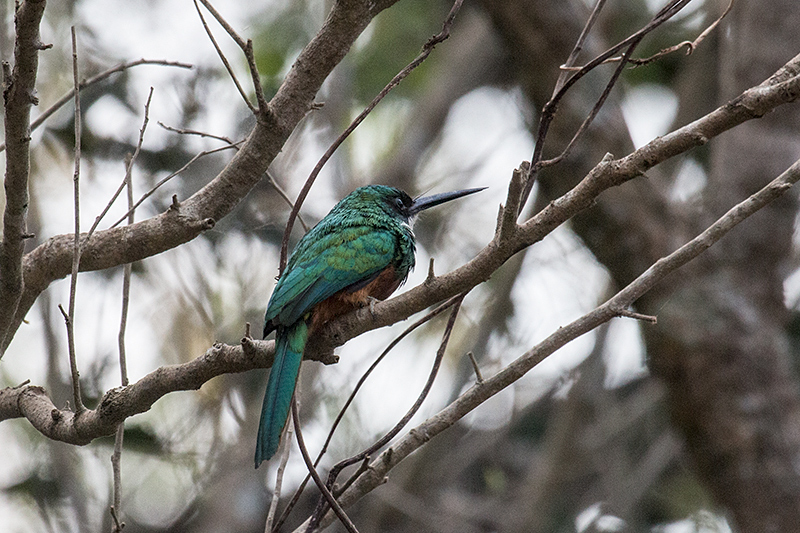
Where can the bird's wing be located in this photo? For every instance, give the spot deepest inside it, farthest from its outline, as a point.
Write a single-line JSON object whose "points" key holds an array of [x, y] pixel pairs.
{"points": [[327, 265]]}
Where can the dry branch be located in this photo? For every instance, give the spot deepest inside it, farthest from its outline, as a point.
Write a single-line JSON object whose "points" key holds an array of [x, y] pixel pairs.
{"points": [[19, 94], [69, 317], [117, 404]]}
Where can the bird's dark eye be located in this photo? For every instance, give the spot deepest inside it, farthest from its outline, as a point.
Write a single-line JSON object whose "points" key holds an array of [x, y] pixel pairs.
{"points": [[398, 202]]}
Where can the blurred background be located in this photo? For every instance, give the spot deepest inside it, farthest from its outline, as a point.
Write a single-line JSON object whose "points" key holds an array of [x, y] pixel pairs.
{"points": [[622, 430]]}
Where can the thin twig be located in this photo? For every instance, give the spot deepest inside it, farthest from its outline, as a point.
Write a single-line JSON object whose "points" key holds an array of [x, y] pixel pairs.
{"points": [[224, 59], [58, 104], [549, 109], [595, 109], [276, 493], [247, 49], [164, 180], [116, 459], [184, 131], [76, 245], [383, 441], [270, 178], [105, 210], [576, 50], [263, 106], [475, 367], [431, 273], [651, 319], [224, 23], [123, 323], [507, 217], [282, 193], [115, 517], [128, 169], [285, 449], [690, 46], [427, 318], [423, 55], [346, 522]]}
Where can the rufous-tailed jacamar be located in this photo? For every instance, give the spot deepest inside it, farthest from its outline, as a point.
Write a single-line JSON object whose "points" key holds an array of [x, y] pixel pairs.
{"points": [[362, 249]]}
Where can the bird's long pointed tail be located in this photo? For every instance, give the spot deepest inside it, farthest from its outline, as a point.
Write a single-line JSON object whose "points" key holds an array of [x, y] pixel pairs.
{"points": [[289, 345]]}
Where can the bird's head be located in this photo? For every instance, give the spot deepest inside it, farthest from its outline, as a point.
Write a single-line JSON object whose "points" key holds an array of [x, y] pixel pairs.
{"points": [[398, 204]]}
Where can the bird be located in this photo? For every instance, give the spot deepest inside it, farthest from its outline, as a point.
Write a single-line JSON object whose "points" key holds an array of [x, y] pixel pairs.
{"points": [[361, 251]]}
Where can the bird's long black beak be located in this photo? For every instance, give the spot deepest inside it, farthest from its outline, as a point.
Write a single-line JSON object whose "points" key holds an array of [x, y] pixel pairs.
{"points": [[425, 202]]}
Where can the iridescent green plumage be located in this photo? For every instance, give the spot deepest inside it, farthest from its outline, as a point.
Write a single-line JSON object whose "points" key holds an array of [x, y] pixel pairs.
{"points": [[359, 238], [363, 248]]}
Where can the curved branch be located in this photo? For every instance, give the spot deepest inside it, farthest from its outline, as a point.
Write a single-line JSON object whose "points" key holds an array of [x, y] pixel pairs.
{"points": [[49, 261], [33, 403], [117, 404]]}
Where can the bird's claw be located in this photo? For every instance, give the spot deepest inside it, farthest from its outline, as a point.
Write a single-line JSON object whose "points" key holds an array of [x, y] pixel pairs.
{"points": [[371, 301]]}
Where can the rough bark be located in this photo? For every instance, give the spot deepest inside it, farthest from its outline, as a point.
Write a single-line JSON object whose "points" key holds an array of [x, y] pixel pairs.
{"points": [[19, 95]]}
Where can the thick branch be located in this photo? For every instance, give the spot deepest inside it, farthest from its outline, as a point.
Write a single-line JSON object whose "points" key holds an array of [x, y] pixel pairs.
{"points": [[117, 246], [118, 404], [19, 95], [32, 402]]}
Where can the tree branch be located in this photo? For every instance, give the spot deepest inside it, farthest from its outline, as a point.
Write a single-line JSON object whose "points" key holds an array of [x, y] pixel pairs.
{"points": [[19, 94], [76, 242], [247, 49], [117, 404], [221, 55], [50, 261], [550, 108]]}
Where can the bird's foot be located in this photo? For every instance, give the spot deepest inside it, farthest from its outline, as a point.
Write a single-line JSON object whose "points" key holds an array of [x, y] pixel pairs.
{"points": [[371, 301]]}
